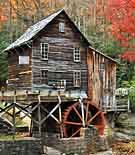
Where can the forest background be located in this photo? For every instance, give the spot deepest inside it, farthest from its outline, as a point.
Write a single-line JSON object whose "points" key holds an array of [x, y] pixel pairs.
{"points": [[108, 25]]}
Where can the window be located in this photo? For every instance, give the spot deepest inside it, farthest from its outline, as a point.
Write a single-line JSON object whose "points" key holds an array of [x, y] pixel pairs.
{"points": [[23, 60], [61, 84], [77, 78], [101, 71], [77, 55], [102, 66], [44, 76], [61, 27], [44, 50]]}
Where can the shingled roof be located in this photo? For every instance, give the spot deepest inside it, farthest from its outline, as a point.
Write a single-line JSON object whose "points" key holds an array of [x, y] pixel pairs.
{"points": [[32, 31]]}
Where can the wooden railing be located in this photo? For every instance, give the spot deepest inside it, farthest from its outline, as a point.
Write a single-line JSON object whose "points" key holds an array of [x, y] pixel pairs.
{"points": [[122, 104]]}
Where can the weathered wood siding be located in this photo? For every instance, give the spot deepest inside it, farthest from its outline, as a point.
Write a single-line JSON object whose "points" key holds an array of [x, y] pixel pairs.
{"points": [[60, 64], [101, 82], [19, 75], [97, 80]]}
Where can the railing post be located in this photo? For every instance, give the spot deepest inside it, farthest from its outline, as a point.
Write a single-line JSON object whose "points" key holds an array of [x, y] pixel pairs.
{"points": [[128, 105]]}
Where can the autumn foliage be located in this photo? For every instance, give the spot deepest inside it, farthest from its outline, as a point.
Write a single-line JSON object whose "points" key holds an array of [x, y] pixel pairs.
{"points": [[120, 15]]}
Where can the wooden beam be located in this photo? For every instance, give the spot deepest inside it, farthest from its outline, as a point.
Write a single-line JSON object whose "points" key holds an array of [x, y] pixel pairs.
{"points": [[26, 113], [50, 114], [60, 117], [39, 117], [14, 118], [3, 111], [82, 109]]}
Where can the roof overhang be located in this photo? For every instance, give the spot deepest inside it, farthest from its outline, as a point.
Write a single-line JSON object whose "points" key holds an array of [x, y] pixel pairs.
{"points": [[107, 57]]}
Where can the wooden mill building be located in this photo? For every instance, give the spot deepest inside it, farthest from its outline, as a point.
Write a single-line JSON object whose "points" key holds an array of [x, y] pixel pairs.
{"points": [[58, 74]]}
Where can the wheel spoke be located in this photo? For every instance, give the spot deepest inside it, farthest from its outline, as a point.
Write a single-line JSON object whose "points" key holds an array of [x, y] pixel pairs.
{"points": [[72, 123], [77, 113], [91, 119], [76, 132], [87, 110]]}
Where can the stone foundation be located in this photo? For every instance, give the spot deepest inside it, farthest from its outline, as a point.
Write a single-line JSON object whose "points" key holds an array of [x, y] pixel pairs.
{"points": [[29, 146], [88, 142]]}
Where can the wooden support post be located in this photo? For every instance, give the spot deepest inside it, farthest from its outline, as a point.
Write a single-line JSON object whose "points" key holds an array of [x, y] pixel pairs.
{"points": [[40, 124], [14, 117], [39, 117], [82, 109], [129, 105], [2, 93], [60, 117]]}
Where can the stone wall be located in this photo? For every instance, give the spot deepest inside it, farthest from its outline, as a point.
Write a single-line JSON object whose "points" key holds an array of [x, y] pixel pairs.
{"points": [[88, 142], [29, 146]]}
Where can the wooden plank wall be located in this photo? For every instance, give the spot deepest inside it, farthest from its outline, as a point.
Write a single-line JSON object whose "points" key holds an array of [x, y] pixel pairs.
{"points": [[60, 64], [19, 76], [101, 83]]}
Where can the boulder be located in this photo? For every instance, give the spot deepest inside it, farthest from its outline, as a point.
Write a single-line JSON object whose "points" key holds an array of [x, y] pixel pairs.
{"points": [[130, 133], [126, 120], [109, 152], [118, 136], [101, 143], [122, 120]]}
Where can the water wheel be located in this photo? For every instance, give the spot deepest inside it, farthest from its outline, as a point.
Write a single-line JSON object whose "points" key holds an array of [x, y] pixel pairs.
{"points": [[77, 116]]}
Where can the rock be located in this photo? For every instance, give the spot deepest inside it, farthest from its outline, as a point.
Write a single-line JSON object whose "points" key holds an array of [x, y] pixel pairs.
{"points": [[109, 152], [118, 136], [130, 132], [101, 143], [126, 120], [122, 120]]}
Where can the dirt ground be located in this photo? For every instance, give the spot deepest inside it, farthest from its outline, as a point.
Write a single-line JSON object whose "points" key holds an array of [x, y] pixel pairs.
{"points": [[118, 148], [124, 148]]}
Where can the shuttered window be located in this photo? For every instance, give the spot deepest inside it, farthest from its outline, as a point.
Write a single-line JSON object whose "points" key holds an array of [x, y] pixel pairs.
{"points": [[44, 50], [77, 78], [77, 55]]}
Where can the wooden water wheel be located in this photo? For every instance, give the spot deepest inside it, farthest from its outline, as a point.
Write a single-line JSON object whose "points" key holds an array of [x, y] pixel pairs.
{"points": [[80, 115]]}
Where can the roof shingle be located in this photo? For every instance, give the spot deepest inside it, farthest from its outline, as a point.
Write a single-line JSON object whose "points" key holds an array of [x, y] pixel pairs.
{"points": [[32, 31]]}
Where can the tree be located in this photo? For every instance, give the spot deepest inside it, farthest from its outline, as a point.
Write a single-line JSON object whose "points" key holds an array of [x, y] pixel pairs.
{"points": [[121, 15], [3, 56]]}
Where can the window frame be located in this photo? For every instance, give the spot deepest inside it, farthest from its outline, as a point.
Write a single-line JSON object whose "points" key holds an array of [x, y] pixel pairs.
{"points": [[44, 52], [76, 79], [61, 27], [44, 78], [77, 56]]}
